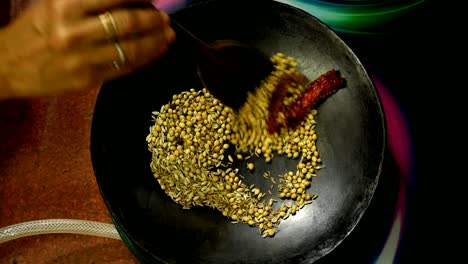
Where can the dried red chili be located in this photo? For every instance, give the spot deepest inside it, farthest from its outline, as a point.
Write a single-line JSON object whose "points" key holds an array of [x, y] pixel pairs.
{"points": [[315, 93], [276, 108]]}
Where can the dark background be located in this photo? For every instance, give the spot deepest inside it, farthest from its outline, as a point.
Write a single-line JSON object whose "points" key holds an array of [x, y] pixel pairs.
{"points": [[412, 58]]}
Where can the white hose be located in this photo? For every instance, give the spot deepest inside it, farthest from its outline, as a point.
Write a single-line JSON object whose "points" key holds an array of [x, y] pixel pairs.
{"points": [[54, 226]]}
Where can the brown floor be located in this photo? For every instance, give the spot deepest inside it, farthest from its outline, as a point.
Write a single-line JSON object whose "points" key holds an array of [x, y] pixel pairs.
{"points": [[45, 173]]}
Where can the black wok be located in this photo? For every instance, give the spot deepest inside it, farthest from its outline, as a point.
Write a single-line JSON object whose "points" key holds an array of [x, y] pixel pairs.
{"points": [[351, 142]]}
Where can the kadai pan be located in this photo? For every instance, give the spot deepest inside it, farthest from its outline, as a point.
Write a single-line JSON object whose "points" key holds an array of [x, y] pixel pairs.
{"points": [[351, 142]]}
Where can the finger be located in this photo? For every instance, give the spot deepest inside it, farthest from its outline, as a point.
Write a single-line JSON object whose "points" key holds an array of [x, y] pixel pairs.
{"points": [[140, 21], [128, 23], [148, 48], [138, 52], [94, 6]]}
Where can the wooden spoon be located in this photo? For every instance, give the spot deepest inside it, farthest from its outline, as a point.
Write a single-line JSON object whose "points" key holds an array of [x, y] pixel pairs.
{"points": [[228, 68]]}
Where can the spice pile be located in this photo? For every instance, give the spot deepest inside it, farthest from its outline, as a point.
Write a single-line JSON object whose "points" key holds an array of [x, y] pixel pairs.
{"points": [[195, 140]]}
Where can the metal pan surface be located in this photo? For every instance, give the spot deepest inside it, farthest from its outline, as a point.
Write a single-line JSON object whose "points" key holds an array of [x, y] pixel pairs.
{"points": [[350, 126]]}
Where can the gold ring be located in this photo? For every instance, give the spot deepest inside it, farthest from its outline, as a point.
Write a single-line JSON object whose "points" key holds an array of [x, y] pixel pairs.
{"points": [[122, 58], [109, 25]]}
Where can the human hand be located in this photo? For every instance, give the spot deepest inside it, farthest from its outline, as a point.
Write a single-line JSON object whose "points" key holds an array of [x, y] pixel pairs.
{"points": [[67, 45]]}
